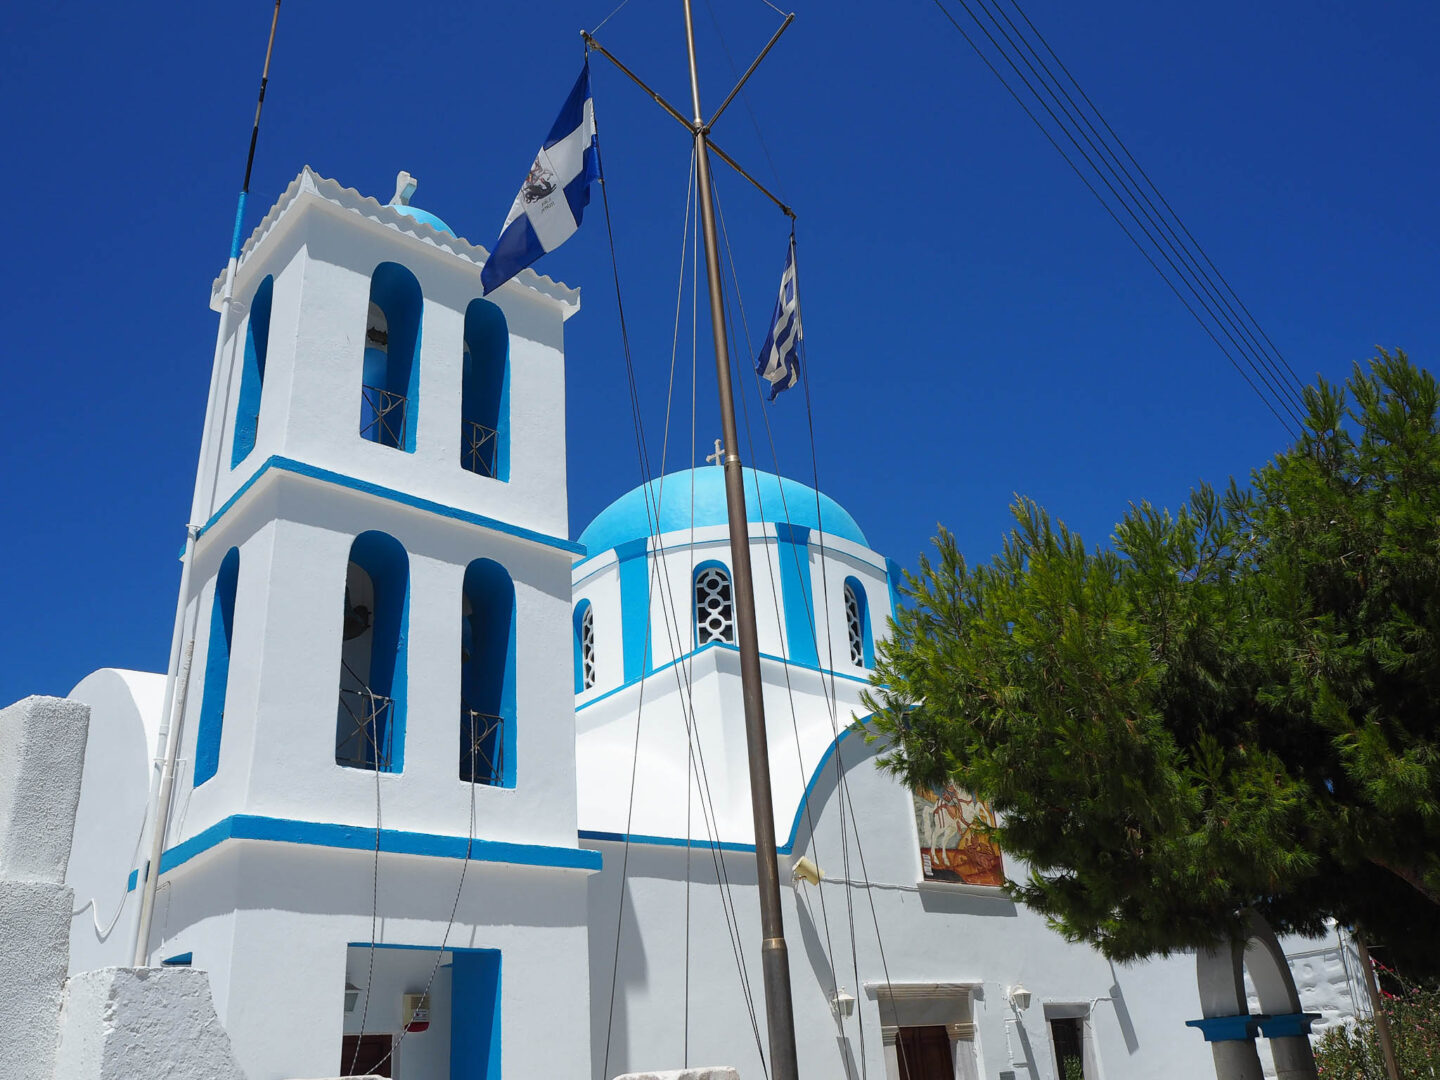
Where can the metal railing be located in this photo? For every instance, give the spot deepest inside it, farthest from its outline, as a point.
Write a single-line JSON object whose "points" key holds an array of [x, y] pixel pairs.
{"points": [[479, 447], [382, 416], [482, 747], [362, 732]]}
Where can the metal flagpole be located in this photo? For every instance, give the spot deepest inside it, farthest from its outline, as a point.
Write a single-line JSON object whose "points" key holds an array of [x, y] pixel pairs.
{"points": [[775, 962], [168, 742]]}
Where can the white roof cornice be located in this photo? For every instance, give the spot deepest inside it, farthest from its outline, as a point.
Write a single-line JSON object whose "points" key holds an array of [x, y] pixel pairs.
{"points": [[310, 184]]}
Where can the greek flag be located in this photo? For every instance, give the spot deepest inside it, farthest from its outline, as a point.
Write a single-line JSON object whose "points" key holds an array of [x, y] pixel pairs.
{"points": [[552, 200], [779, 362]]}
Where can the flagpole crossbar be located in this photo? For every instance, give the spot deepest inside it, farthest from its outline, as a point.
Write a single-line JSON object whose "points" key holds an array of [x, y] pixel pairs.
{"points": [[698, 128]]}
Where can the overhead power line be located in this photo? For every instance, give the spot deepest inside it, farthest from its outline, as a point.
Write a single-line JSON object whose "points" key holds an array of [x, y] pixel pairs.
{"points": [[1023, 61]]}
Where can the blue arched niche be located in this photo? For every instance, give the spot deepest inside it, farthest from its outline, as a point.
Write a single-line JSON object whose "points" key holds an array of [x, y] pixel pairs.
{"points": [[217, 669], [862, 605], [252, 373], [578, 629], [370, 720], [390, 395], [485, 392], [487, 675]]}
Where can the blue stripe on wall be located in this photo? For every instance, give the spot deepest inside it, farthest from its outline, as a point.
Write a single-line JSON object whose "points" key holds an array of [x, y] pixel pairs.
{"points": [[360, 838], [793, 551], [299, 468], [634, 605]]}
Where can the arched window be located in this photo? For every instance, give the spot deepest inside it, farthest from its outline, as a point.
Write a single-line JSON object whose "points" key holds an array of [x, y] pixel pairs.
{"points": [[370, 722], [485, 392], [252, 373], [714, 609], [857, 624], [487, 675], [584, 646], [217, 669], [389, 405]]}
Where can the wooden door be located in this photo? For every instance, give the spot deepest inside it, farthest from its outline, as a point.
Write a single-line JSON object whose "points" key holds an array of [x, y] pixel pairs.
{"points": [[924, 1053], [373, 1058]]}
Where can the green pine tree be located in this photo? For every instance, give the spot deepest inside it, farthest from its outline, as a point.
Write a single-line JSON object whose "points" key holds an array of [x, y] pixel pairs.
{"points": [[1233, 705]]}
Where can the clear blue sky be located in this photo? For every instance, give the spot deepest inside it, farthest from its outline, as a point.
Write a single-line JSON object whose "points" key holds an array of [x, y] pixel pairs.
{"points": [[976, 325]]}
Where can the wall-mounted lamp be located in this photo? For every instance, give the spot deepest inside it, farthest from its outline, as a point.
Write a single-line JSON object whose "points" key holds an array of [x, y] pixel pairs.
{"points": [[842, 1003], [804, 869], [352, 995], [1019, 997]]}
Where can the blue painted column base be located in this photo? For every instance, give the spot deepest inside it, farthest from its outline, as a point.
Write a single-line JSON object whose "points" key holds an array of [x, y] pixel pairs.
{"points": [[1229, 1028]]}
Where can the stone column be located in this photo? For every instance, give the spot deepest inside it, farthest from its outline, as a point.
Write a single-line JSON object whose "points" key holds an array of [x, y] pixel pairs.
{"points": [[962, 1050], [1289, 1037], [890, 1038], [1232, 1045]]}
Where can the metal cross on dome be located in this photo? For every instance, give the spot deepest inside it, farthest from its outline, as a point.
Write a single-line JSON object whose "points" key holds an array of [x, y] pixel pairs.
{"points": [[718, 457]]}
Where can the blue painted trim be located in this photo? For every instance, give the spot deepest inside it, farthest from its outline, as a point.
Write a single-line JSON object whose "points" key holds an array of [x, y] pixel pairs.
{"points": [[867, 637], [132, 881], [360, 838], [475, 1046], [720, 645], [1228, 1028], [239, 222], [418, 948], [796, 592], [787, 848], [216, 684], [1287, 1024], [178, 960], [634, 608], [299, 468], [894, 575], [577, 627]]}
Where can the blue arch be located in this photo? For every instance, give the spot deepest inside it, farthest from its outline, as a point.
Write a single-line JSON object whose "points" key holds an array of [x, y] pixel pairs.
{"points": [[252, 373], [867, 640], [396, 368], [578, 628], [485, 389], [487, 669], [217, 669], [383, 558]]}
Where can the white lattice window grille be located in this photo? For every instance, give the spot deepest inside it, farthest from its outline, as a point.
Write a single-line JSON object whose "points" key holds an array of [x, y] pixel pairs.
{"points": [[714, 612], [587, 648], [855, 626]]}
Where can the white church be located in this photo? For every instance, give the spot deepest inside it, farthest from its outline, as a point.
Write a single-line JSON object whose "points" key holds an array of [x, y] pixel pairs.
{"points": [[464, 795]]}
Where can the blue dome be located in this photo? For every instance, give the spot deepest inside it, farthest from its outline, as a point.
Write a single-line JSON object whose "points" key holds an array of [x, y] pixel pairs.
{"points": [[626, 518], [422, 216]]}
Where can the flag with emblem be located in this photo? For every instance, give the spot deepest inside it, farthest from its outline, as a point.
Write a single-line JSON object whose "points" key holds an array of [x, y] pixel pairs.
{"points": [[552, 200], [779, 362]]}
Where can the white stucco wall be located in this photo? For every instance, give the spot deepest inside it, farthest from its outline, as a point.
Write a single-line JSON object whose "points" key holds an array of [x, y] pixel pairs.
{"points": [[929, 934]]}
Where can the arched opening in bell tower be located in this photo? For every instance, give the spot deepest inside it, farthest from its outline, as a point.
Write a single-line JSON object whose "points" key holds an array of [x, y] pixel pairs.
{"points": [[370, 720], [390, 383], [252, 373], [485, 392], [487, 675], [857, 624], [217, 669]]}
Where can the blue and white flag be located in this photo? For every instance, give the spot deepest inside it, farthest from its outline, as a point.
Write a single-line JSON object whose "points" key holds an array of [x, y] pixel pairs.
{"points": [[779, 362], [552, 200]]}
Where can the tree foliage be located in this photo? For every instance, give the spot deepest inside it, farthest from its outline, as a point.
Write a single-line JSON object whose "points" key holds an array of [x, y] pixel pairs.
{"points": [[1232, 705]]}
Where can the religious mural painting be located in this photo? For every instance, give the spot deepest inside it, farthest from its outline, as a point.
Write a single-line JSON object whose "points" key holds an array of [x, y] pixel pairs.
{"points": [[953, 844]]}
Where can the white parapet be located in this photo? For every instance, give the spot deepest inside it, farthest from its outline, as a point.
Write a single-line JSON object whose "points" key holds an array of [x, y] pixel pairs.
{"points": [[128, 1023], [34, 952], [706, 1072], [42, 755]]}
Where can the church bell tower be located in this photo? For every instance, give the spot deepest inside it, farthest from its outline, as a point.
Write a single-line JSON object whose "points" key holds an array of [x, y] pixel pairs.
{"points": [[381, 587]]}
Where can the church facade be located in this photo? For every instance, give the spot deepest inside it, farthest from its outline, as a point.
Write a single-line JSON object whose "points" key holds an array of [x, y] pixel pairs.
{"points": [[463, 797]]}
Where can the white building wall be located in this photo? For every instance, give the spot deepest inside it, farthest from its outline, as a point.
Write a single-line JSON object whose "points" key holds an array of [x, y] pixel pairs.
{"points": [[929, 934]]}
